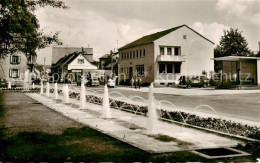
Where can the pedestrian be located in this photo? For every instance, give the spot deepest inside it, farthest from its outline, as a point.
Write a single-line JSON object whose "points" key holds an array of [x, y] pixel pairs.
{"points": [[132, 82], [139, 82], [135, 82]]}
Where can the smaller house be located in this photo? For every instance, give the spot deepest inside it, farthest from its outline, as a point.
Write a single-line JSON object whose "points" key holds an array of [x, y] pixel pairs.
{"points": [[72, 66], [106, 64], [13, 67], [240, 70]]}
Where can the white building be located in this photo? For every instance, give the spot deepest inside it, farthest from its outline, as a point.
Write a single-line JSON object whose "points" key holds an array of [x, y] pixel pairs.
{"points": [[163, 56]]}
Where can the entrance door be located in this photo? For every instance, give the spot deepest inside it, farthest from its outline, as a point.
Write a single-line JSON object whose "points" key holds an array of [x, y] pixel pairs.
{"points": [[130, 72]]}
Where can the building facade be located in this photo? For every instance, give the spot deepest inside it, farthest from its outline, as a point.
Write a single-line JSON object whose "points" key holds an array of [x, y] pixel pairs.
{"points": [[163, 56], [13, 67]]}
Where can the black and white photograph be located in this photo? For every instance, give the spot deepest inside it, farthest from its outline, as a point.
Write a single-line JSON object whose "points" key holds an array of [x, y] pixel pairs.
{"points": [[130, 81]]}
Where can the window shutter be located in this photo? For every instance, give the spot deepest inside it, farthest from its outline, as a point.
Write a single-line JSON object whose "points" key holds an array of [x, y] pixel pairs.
{"points": [[18, 73], [11, 57], [19, 59], [10, 73]]}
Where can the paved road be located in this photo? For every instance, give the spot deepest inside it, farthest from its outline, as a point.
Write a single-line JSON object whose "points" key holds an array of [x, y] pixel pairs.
{"points": [[242, 106]]}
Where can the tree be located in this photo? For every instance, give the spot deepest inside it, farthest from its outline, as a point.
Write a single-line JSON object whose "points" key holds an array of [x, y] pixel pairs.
{"points": [[20, 29], [232, 44]]}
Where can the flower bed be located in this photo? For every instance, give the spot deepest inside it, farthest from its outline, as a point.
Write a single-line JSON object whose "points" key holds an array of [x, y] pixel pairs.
{"points": [[20, 89], [192, 119]]}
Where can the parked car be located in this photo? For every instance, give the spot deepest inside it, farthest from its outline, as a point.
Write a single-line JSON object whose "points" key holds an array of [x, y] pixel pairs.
{"points": [[95, 82], [36, 81], [111, 83], [3, 83], [193, 81]]}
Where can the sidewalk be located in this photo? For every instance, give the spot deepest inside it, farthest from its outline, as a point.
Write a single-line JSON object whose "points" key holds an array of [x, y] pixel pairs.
{"points": [[120, 127], [189, 92]]}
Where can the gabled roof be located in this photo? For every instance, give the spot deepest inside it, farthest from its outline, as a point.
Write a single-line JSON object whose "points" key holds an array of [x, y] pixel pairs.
{"points": [[69, 58], [152, 37]]}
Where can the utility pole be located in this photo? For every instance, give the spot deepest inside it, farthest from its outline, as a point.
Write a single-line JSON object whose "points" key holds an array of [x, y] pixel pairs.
{"points": [[111, 54]]}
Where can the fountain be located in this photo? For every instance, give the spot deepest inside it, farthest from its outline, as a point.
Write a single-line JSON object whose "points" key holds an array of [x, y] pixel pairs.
{"points": [[48, 89], [152, 114], [9, 85], [56, 91], [66, 93], [41, 87], [82, 96], [106, 106], [25, 82]]}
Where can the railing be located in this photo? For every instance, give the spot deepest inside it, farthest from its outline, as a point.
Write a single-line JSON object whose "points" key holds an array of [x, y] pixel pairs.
{"points": [[168, 58]]}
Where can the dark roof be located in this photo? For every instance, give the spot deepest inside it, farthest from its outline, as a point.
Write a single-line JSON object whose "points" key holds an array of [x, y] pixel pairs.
{"points": [[105, 56], [69, 58], [152, 37], [114, 64]]}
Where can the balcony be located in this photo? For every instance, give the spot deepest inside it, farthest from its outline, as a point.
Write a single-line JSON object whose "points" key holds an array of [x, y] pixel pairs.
{"points": [[171, 58]]}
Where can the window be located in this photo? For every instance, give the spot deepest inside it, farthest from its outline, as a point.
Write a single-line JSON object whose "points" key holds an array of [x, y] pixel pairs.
{"points": [[122, 70], [134, 54], [127, 56], [80, 61], [184, 37], [177, 67], [161, 50], [169, 51], [122, 56], [177, 51], [14, 73], [140, 53], [169, 68], [130, 54], [140, 70], [143, 53], [15, 59], [161, 68]]}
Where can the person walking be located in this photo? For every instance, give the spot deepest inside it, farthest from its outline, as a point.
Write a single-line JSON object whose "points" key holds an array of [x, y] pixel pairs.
{"points": [[132, 82], [135, 83], [139, 82]]}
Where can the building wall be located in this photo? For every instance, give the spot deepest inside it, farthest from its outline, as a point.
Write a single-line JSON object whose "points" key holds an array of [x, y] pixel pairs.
{"points": [[6, 66], [196, 50], [248, 70], [147, 61], [86, 65]]}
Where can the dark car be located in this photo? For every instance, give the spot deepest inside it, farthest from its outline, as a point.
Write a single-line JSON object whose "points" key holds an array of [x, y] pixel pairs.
{"points": [[193, 81], [36, 81], [3, 83]]}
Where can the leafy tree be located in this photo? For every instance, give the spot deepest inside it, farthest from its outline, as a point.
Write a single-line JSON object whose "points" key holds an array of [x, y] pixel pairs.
{"points": [[232, 43], [20, 29]]}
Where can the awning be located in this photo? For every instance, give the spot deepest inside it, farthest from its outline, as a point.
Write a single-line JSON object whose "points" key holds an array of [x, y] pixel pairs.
{"points": [[235, 58]]}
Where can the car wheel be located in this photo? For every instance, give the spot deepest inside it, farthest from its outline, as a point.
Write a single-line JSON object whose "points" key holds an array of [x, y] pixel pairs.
{"points": [[189, 86], [205, 85]]}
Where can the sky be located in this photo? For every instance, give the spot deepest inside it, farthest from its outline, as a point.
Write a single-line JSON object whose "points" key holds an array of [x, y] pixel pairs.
{"points": [[106, 25]]}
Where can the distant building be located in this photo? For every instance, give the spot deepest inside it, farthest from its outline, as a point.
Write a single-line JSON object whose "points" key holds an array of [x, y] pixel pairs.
{"points": [[163, 56], [72, 66], [59, 52], [106, 64], [13, 67]]}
